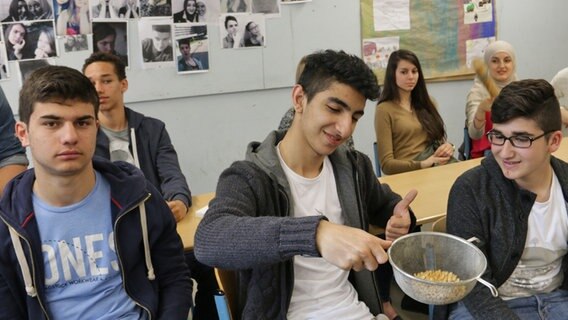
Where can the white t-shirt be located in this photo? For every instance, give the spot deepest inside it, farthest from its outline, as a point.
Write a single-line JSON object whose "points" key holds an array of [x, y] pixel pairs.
{"points": [[118, 145], [321, 290], [540, 267]]}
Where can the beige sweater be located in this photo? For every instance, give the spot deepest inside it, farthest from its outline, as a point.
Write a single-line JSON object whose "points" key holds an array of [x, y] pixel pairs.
{"points": [[400, 138]]}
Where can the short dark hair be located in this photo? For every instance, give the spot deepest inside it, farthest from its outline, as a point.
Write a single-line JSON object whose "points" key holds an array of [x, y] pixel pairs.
{"points": [[229, 18], [101, 31], [322, 68], [300, 68], [55, 84], [119, 66], [532, 99], [184, 41]]}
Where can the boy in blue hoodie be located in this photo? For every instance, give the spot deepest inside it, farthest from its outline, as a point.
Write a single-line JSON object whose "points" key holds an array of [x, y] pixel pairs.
{"points": [[81, 237]]}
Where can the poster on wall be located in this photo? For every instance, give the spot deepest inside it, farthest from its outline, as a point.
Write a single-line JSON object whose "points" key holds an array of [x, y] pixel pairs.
{"points": [[192, 44], [445, 35], [156, 43], [111, 37]]}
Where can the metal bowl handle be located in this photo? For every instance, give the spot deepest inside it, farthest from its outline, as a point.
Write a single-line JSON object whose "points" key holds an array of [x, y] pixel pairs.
{"points": [[491, 287], [476, 242]]}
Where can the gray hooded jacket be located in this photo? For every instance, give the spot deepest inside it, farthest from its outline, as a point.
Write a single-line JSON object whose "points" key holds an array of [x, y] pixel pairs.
{"points": [[250, 226]]}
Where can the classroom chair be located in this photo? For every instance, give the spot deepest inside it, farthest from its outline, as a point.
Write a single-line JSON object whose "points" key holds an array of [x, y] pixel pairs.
{"points": [[377, 162], [465, 149], [439, 225], [226, 298]]}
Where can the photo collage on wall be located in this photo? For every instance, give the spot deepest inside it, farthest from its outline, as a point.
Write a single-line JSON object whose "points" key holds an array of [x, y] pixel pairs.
{"points": [[172, 33]]}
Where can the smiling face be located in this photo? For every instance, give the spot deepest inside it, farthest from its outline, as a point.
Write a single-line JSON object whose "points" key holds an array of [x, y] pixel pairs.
{"points": [[201, 9], [501, 66], [61, 136], [330, 118], [191, 6], [524, 166], [406, 75]]}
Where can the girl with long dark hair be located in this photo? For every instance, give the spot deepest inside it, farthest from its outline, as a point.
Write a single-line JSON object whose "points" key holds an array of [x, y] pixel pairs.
{"points": [[410, 131]]}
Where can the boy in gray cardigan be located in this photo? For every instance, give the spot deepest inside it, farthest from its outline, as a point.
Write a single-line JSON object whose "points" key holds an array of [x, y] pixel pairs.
{"points": [[515, 203], [292, 218]]}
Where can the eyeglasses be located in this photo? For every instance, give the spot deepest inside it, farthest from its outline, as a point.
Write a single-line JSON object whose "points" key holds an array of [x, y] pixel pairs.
{"points": [[518, 141]]}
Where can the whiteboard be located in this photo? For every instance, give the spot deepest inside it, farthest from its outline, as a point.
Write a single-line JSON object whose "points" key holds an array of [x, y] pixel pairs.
{"points": [[301, 29]]}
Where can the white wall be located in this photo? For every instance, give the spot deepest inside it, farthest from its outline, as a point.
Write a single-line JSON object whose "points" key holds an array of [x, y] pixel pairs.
{"points": [[210, 132]]}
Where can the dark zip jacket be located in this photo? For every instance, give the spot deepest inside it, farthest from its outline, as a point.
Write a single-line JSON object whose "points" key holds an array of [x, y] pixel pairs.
{"points": [[166, 297], [156, 154], [484, 204]]}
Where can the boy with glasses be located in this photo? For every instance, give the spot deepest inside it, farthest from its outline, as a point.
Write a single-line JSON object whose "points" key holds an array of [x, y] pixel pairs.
{"points": [[515, 203]]}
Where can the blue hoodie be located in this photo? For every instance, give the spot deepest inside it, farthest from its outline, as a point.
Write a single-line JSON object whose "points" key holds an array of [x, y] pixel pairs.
{"points": [[168, 296]]}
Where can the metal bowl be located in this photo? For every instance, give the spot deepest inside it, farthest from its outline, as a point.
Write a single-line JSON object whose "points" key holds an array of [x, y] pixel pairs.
{"points": [[422, 251]]}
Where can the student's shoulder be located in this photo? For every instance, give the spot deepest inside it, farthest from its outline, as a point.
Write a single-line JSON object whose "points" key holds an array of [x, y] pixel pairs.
{"points": [[481, 176], [560, 168], [137, 119], [246, 172], [386, 106], [151, 121]]}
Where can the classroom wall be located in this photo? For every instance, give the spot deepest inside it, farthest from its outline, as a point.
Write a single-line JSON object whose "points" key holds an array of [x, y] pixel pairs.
{"points": [[210, 132]]}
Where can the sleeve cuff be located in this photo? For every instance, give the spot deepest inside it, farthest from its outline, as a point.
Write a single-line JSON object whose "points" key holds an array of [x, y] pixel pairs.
{"points": [[298, 236]]}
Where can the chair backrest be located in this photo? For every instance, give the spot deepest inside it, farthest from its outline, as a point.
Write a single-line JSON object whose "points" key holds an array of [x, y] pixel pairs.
{"points": [[226, 300], [466, 144], [377, 162], [439, 225]]}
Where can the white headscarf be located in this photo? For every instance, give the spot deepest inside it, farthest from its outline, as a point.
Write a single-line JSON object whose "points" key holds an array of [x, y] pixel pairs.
{"points": [[478, 92], [501, 46]]}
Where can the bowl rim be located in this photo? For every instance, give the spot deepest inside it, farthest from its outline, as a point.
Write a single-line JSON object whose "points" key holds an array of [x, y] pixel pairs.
{"points": [[441, 234]]}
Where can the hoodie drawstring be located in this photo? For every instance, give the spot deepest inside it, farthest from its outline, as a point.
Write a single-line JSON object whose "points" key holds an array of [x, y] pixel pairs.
{"points": [[24, 267], [143, 220]]}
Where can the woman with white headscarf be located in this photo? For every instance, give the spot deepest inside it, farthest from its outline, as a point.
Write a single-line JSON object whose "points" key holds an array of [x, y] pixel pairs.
{"points": [[560, 84], [501, 66]]}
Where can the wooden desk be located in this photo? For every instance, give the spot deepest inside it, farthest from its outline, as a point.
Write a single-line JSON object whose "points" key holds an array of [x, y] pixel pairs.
{"points": [[433, 185], [188, 225]]}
